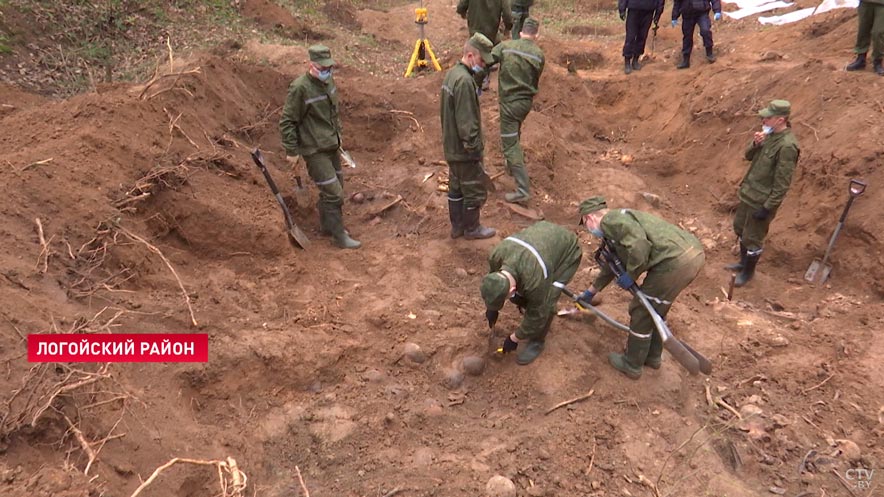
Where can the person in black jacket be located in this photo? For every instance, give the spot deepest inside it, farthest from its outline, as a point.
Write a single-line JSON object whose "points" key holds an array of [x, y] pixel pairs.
{"points": [[638, 15], [693, 13]]}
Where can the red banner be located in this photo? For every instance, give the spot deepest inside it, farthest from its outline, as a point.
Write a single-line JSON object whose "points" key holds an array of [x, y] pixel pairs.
{"points": [[119, 347]]}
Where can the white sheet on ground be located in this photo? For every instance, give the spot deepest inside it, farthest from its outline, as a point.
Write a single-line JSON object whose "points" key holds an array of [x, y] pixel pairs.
{"points": [[739, 14]]}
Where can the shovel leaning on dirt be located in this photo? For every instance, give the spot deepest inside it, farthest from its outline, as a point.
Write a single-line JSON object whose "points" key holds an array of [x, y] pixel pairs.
{"points": [[296, 236], [821, 268]]}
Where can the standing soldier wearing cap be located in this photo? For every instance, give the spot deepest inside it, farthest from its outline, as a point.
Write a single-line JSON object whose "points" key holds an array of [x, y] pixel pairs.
{"points": [[870, 31], [523, 268], [638, 15], [311, 127], [671, 259], [774, 153], [521, 64], [462, 140], [520, 15]]}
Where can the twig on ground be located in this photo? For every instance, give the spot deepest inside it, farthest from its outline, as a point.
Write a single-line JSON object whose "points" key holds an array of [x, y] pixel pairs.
{"points": [[393, 492], [722, 403], [45, 251], [157, 78], [571, 401], [64, 387], [232, 484], [815, 132], [409, 115], [591, 458], [84, 444], [171, 62], [301, 480], [33, 164], [843, 482], [173, 125], [157, 251], [819, 384]]}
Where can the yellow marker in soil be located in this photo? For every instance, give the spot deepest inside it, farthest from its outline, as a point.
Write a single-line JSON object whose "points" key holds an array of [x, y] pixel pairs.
{"points": [[422, 45]]}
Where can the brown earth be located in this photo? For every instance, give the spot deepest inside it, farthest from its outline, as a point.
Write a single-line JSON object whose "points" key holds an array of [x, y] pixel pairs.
{"points": [[306, 365]]}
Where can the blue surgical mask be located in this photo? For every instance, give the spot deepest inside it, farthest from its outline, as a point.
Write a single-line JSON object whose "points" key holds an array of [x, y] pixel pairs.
{"points": [[476, 68], [766, 129], [324, 75], [596, 232]]}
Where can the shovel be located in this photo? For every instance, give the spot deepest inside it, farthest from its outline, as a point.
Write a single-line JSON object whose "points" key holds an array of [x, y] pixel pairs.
{"points": [[348, 159], [821, 268], [296, 236], [302, 197]]}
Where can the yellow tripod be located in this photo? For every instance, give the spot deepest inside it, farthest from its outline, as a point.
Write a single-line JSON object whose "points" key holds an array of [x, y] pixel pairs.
{"points": [[422, 45]]}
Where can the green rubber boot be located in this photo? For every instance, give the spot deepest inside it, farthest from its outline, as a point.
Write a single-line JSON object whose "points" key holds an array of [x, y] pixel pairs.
{"points": [[334, 219], [631, 363], [655, 352], [529, 352]]}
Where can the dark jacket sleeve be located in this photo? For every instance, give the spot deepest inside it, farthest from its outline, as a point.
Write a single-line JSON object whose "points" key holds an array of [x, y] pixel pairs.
{"points": [[506, 13], [621, 6], [462, 6], [658, 12], [716, 6], [676, 9]]}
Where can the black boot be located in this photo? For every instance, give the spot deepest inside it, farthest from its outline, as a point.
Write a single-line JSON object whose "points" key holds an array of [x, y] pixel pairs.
{"points": [[473, 230], [748, 270], [879, 69], [627, 68], [709, 55], [685, 62], [455, 214], [858, 63], [740, 265], [635, 65]]}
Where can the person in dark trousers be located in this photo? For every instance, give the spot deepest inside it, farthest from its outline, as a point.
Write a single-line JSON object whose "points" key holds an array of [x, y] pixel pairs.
{"points": [[870, 31], [695, 13], [520, 14], [638, 15]]}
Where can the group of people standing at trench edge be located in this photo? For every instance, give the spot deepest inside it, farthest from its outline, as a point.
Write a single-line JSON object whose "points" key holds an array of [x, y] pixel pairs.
{"points": [[530, 268]]}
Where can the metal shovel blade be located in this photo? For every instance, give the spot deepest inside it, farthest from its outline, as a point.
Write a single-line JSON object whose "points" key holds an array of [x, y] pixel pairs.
{"points": [[348, 159], [817, 267]]}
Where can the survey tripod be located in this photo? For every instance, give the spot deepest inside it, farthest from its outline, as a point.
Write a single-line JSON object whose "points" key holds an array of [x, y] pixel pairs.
{"points": [[422, 48]]}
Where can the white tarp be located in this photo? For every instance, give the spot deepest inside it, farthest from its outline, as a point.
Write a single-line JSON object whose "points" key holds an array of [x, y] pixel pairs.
{"points": [[748, 11], [746, 4], [826, 6]]}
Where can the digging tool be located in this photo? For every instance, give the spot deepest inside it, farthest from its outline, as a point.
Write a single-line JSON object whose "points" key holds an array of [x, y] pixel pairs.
{"points": [[296, 236], [583, 305], [856, 188], [348, 159], [689, 358], [486, 180], [302, 197]]}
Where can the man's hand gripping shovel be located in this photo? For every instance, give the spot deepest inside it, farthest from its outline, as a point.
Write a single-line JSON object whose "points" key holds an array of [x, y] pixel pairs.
{"points": [[295, 235], [689, 358]]}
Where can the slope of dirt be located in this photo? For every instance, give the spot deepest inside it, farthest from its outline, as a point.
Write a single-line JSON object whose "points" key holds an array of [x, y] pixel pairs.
{"points": [[306, 366]]}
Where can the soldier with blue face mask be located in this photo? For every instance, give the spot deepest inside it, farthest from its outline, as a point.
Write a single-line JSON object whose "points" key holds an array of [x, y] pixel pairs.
{"points": [[668, 256], [311, 128]]}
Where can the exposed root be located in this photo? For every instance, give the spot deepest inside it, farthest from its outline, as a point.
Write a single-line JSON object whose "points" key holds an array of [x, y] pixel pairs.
{"points": [[232, 480]]}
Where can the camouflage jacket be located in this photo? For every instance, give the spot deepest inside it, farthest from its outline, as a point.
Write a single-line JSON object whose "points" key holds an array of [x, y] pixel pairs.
{"points": [[310, 122], [521, 64], [769, 176]]}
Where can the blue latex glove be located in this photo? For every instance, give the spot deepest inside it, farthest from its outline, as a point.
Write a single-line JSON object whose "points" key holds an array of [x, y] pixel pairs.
{"points": [[717, 16], [585, 297], [674, 23], [761, 214], [625, 281]]}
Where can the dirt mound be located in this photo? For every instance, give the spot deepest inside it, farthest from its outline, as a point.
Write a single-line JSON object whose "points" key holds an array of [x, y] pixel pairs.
{"points": [[308, 365], [279, 20]]}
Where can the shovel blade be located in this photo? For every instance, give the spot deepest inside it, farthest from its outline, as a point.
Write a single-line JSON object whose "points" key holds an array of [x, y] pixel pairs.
{"points": [[817, 268], [705, 365], [682, 355], [298, 238]]}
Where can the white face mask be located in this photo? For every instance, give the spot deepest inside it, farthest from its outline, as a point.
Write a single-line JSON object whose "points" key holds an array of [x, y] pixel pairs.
{"points": [[766, 129]]}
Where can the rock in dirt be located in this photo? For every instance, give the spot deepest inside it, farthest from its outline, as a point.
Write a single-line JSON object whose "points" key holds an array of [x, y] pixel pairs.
{"points": [[374, 376], [500, 486], [473, 365], [452, 379], [461, 272], [777, 490], [358, 197], [414, 353], [652, 199]]}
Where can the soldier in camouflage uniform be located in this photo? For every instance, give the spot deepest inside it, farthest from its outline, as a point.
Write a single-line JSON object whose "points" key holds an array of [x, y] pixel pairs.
{"points": [[523, 267], [311, 127], [462, 140], [774, 154], [484, 16], [520, 15], [521, 64], [671, 259], [869, 33]]}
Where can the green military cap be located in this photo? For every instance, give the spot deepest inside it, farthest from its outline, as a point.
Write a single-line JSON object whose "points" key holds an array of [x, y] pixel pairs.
{"points": [[531, 23], [776, 108], [495, 289], [321, 55], [484, 45], [592, 204]]}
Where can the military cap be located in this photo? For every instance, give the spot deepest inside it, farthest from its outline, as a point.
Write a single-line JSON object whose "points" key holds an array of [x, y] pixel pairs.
{"points": [[531, 23], [592, 204], [321, 55], [495, 289], [776, 108], [484, 45]]}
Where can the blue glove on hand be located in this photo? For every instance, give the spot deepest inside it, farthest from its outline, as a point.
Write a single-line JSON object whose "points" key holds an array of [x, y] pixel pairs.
{"points": [[585, 297], [674, 23], [625, 281], [717, 16], [761, 214]]}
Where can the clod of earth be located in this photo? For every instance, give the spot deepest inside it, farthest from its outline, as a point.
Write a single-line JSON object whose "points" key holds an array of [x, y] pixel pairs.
{"points": [[414, 353], [500, 486]]}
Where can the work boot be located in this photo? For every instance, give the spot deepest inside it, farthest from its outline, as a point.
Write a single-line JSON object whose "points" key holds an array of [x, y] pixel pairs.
{"points": [[877, 67], [655, 352], [455, 214], [516, 198], [635, 65], [628, 67], [739, 265], [529, 352], [473, 230], [709, 55], [631, 362], [324, 226], [858, 64], [685, 62], [748, 270], [335, 224]]}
